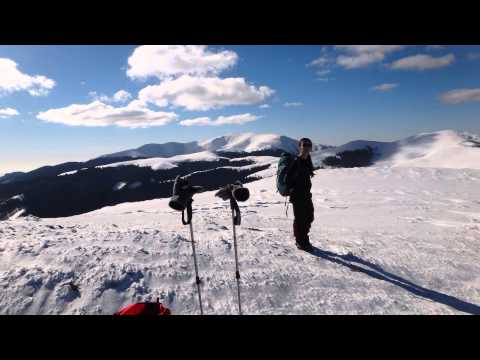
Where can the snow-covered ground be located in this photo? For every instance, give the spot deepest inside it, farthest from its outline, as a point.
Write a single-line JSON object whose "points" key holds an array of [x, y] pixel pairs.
{"points": [[390, 240]]}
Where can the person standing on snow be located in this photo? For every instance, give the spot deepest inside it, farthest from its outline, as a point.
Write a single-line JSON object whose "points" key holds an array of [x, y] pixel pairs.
{"points": [[298, 180]]}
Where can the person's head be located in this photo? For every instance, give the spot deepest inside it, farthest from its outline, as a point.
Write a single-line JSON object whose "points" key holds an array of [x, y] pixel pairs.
{"points": [[305, 147]]}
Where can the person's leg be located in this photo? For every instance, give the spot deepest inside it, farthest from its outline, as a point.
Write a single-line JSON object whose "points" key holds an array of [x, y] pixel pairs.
{"points": [[309, 212], [298, 222]]}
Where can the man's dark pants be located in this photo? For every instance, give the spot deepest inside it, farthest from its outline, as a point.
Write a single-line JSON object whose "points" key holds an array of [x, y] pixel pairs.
{"points": [[304, 216]]}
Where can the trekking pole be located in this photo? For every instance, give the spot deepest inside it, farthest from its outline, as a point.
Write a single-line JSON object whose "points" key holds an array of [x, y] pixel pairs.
{"points": [[235, 221], [234, 192], [182, 200], [197, 278]]}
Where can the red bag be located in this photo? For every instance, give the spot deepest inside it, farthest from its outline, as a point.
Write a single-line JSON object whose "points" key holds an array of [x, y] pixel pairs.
{"points": [[147, 308]]}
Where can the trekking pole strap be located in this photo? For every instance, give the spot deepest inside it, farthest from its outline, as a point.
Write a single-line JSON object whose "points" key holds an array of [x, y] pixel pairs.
{"points": [[189, 214], [237, 218]]}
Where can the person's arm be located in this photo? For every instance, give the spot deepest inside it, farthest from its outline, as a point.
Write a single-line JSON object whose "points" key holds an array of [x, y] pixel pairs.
{"points": [[310, 165]]}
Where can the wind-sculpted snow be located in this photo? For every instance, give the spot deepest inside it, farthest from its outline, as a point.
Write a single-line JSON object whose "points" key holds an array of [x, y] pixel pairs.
{"points": [[441, 149]]}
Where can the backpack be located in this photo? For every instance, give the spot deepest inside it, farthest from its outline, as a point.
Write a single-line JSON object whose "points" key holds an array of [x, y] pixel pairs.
{"points": [[284, 164]]}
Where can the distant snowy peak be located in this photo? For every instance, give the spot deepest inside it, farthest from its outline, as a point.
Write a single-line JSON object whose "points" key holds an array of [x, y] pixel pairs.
{"points": [[159, 150], [247, 142], [250, 142], [440, 149]]}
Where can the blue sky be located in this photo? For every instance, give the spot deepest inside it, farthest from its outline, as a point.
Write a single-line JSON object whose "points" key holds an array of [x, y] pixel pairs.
{"points": [[57, 103]]}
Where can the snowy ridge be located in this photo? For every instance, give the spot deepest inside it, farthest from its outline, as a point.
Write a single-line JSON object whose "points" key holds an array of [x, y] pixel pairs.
{"points": [[250, 142], [441, 149], [246, 142], [19, 197], [167, 163], [119, 186], [159, 150], [18, 213], [71, 172]]}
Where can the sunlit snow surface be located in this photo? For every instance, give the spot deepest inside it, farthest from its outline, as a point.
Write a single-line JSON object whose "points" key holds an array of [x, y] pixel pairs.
{"points": [[389, 240]]}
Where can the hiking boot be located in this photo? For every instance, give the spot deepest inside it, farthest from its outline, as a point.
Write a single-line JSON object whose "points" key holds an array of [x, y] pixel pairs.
{"points": [[308, 247], [304, 247]]}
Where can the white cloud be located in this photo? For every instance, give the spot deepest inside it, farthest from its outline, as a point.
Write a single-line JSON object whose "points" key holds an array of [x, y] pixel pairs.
{"points": [[473, 56], [264, 106], [165, 61], [204, 93], [384, 87], [293, 104], [459, 96], [97, 97], [189, 78], [201, 121], [422, 62], [320, 62], [221, 120], [134, 115], [436, 47], [8, 112], [363, 49], [359, 56], [11, 80], [360, 60], [120, 96]]}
